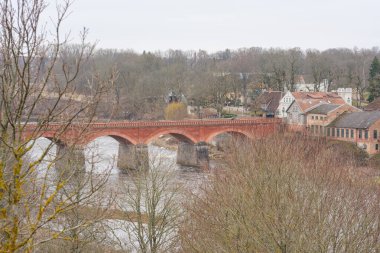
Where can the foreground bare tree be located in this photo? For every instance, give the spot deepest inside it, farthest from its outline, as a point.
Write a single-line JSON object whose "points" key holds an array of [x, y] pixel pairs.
{"points": [[279, 197], [38, 70], [151, 203]]}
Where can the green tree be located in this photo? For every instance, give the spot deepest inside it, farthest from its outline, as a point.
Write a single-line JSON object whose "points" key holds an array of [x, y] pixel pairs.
{"points": [[374, 80]]}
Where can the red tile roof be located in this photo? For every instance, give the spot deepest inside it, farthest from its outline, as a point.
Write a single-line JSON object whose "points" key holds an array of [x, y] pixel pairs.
{"points": [[308, 100]]}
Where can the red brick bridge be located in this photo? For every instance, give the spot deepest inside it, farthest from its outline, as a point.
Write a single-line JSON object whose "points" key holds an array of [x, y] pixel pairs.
{"points": [[133, 137]]}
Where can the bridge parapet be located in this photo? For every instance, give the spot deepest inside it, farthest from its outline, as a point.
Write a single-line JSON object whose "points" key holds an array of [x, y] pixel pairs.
{"points": [[167, 123]]}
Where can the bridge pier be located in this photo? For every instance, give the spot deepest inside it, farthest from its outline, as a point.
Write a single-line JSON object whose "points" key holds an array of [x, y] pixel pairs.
{"points": [[131, 157], [194, 155], [69, 158]]}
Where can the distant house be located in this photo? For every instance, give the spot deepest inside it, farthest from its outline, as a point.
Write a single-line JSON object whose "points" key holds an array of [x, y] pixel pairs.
{"points": [[302, 86], [322, 115], [268, 103], [361, 128], [346, 94], [306, 101], [284, 104]]}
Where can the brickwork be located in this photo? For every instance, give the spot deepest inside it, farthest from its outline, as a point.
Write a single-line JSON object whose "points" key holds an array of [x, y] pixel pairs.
{"points": [[368, 139], [316, 123], [143, 132]]}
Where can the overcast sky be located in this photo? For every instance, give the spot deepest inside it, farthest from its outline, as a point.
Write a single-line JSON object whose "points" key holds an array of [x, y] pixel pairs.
{"points": [[219, 24]]}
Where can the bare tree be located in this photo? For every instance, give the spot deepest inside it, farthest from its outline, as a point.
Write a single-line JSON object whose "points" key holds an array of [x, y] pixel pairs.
{"points": [[294, 58], [317, 67], [151, 203], [266, 201], [38, 72], [277, 67]]}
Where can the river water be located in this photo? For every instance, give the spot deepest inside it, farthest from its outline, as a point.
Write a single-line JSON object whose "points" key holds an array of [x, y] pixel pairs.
{"points": [[102, 154], [101, 159]]}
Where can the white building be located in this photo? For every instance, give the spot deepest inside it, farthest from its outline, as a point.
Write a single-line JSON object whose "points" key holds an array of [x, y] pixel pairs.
{"points": [[284, 104], [346, 94], [288, 98]]}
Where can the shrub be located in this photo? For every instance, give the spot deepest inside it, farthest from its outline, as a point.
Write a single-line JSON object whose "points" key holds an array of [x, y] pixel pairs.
{"points": [[284, 194], [374, 161], [176, 111], [344, 149]]}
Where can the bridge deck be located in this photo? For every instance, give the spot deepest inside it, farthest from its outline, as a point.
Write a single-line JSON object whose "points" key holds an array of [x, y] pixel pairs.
{"points": [[168, 123]]}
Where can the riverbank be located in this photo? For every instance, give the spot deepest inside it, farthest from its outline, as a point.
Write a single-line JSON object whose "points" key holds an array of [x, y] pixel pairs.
{"points": [[166, 142]]}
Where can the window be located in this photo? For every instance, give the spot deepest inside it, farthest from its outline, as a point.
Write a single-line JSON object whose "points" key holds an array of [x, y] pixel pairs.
{"points": [[333, 132], [316, 117], [360, 133], [337, 132], [328, 131], [366, 134], [352, 133], [377, 147], [342, 132], [312, 117], [347, 134], [375, 134]]}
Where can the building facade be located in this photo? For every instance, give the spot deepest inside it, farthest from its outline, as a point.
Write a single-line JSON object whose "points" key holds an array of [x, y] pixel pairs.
{"points": [[346, 94], [284, 104], [307, 101], [361, 128], [319, 117]]}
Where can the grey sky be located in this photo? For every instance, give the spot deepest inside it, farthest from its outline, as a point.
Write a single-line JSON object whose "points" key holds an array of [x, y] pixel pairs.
{"points": [[219, 24]]}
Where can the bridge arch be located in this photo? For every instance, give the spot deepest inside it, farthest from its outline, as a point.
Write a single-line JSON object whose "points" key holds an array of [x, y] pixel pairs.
{"points": [[232, 131], [119, 137], [51, 137], [176, 133]]}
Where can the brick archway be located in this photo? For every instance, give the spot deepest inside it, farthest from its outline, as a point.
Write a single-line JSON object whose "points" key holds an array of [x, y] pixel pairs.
{"points": [[212, 135], [178, 134], [51, 137], [119, 136]]}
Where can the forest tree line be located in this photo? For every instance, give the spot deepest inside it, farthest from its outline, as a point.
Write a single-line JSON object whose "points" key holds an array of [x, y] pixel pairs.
{"points": [[141, 81]]}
